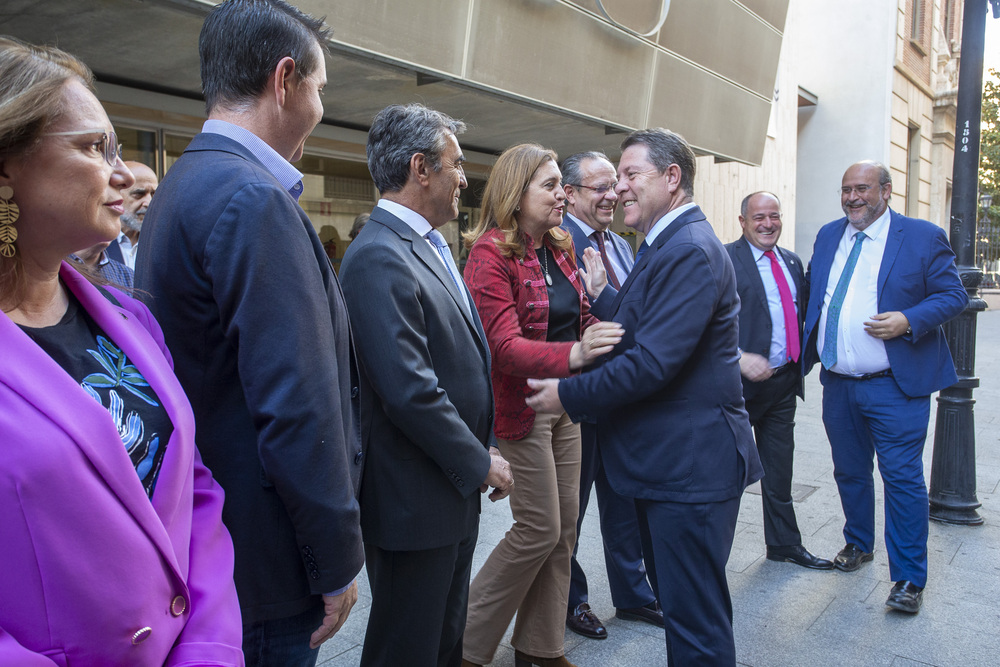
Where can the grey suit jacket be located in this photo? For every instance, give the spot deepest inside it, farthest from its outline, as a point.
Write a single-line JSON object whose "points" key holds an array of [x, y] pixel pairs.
{"points": [[427, 414]]}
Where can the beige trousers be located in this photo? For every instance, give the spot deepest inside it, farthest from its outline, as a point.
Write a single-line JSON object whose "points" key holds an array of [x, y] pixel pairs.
{"points": [[528, 571]]}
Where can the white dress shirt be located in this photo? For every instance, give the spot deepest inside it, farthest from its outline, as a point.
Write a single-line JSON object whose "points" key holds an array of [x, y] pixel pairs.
{"points": [[857, 352]]}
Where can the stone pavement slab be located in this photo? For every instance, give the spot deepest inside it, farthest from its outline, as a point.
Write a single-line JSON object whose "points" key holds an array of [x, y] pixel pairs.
{"points": [[785, 615]]}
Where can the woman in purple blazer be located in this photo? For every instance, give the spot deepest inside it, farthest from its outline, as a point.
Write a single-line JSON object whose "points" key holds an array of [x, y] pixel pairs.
{"points": [[113, 549]]}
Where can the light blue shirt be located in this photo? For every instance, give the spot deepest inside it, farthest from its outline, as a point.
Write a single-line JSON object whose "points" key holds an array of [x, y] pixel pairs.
{"points": [[289, 177], [665, 221], [778, 354], [609, 245]]}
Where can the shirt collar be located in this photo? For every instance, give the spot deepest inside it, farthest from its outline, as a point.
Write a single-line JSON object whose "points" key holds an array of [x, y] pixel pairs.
{"points": [[282, 170], [584, 227], [665, 221], [414, 220]]}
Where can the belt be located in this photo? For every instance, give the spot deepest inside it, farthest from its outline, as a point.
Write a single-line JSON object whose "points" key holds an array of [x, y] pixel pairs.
{"points": [[887, 373], [791, 365]]}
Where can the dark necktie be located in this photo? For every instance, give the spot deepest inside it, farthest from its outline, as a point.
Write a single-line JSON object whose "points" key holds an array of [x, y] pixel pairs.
{"points": [[643, 247], [612, 278], [787, 307], [829, 356]]}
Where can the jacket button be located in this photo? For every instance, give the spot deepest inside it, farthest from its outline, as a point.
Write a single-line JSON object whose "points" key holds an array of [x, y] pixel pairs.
{"points": [[460, 483], [307, 550], [358, 457], [531, 306], [178, 605], [314, 575], [354, 392], [141, 635]]}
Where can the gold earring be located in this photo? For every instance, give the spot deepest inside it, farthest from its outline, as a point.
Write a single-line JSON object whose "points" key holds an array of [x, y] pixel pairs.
{"points": [[9, 213]]}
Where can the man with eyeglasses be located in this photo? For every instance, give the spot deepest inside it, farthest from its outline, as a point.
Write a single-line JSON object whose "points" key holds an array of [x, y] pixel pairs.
{"points": [[771, 284], [881, 286], [589, 181]]}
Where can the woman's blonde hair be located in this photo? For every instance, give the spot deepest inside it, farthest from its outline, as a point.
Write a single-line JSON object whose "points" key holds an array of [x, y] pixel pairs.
{"points": [[31, 82], [508, 181]]}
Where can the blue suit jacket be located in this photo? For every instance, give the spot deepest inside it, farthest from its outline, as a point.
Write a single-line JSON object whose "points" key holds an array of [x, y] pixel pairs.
{"points": [[668, 399], [581, 242], [256, 322], [755, 315], [918, 278]]}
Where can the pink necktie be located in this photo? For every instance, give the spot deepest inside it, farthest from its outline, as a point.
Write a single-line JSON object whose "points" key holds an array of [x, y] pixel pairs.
{"points": [[788, 306]]}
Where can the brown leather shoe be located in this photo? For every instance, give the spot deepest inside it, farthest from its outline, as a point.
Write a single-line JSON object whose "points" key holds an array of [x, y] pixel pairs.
{"points": [[525, 660], [584, 622]]}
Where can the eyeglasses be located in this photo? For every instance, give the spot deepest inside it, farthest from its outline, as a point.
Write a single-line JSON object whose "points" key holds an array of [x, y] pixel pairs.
{"points": [[860, 189], [761, 217], [600, 189], [110, 148]]}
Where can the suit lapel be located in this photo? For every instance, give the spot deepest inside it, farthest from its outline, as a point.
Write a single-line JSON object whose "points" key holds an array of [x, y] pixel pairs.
{"points": [[691, 215], [61, 399], [751, 275], [429, 258], [893, 240]]}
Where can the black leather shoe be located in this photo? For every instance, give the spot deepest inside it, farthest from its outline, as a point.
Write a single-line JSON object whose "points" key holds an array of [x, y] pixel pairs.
{"points": [[651, 614], [584, 622], [851, 558], [799, 556], [905, 596]]}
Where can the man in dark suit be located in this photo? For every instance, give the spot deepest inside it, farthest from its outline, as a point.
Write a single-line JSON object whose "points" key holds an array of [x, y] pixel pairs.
{"points": [[589, 183], [668, 400], [428, 425], [771, 285], [252, 312], [881, 286]]}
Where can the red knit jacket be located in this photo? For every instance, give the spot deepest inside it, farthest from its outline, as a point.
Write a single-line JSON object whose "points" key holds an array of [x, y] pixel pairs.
{"points": [[513, 304]]}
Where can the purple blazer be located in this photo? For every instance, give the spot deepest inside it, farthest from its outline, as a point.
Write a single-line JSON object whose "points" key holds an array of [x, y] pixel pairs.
{"points": [[91, 571]]}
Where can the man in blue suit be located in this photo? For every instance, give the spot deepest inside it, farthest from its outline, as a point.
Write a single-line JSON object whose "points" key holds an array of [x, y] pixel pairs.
{"points": [[258, 328], [881, 286], [589, 182], [668, 401]]}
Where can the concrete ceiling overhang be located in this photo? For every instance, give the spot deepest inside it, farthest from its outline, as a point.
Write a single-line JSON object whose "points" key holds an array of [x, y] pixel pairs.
{"points": [[152, 45]]}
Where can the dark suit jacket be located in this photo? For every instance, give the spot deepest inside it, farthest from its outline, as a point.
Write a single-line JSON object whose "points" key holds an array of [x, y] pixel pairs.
{"points": [[581, 242], [918, 278], [755, 316], [429, 423], [255, 319], [668, 400]]}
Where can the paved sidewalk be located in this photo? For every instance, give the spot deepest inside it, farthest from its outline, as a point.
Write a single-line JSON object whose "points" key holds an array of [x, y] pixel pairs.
{"points": [[786, 615]]}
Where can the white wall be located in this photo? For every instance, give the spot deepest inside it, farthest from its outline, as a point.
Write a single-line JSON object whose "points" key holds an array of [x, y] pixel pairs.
{"points": [[846, 52]]}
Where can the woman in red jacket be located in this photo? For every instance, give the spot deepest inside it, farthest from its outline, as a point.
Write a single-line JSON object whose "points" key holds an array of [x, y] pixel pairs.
{"points": [[523, 279]]}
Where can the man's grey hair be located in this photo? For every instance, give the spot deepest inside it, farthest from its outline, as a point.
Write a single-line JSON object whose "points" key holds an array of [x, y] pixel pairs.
{"points": [[571, 166], [666, 148], [131, 222], [398, 133], [745, 204], [884, 176]]}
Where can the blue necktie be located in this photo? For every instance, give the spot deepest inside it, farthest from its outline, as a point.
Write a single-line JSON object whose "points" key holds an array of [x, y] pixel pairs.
{"points": [[829, 356], [437, 240], [643, 247]]}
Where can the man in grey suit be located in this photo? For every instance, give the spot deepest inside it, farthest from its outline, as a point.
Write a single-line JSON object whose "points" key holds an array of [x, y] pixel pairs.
{"points": [[589, 182], [771, 284], [428, 423]]}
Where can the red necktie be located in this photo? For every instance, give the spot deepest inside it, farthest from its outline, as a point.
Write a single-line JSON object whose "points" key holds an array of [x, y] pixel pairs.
{"points": [[612, 278], [788, 306]]}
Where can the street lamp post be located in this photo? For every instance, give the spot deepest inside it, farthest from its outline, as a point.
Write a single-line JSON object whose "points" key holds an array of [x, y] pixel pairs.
{"points": [[953, 464]]}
